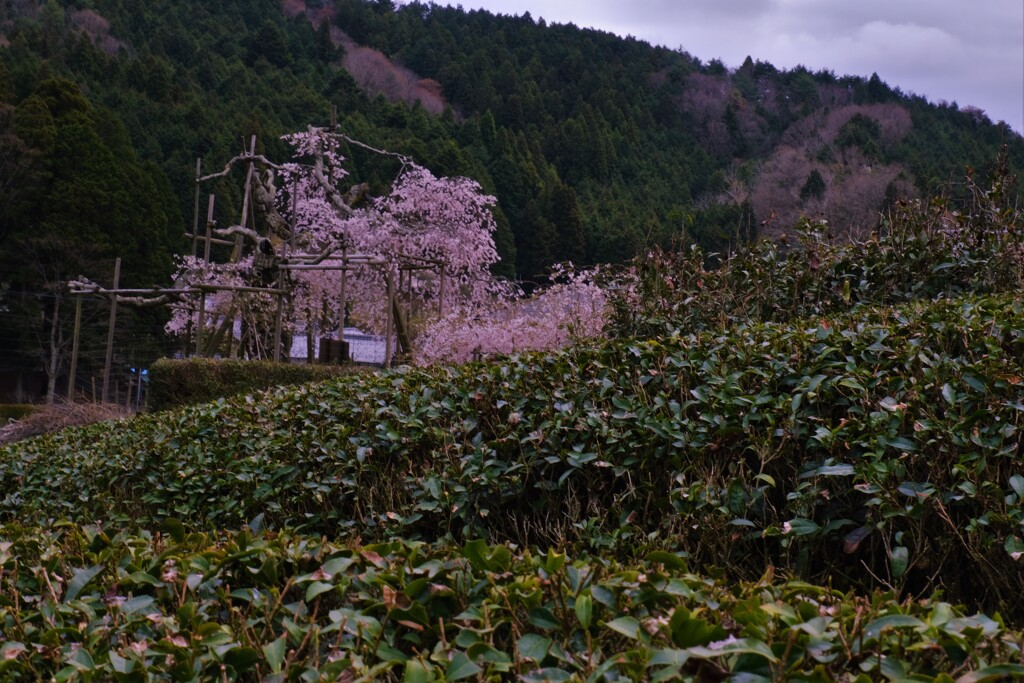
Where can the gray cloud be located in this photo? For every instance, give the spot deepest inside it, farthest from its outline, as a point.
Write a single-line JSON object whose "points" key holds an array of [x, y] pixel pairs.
{"points": [[950, 50]]}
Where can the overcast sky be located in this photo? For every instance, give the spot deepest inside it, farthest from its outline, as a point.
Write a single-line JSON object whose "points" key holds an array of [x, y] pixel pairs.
{"points": [[967, 51]]}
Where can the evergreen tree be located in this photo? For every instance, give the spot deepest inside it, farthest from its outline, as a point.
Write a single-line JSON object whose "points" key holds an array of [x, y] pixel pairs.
{"points": [[814, 187], [568, 222]]}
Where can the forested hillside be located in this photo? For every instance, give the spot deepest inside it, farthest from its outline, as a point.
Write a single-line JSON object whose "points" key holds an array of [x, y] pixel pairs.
{"points": [[596, 146]]}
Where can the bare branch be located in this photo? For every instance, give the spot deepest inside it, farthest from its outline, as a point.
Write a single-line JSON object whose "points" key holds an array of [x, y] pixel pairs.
{"points": [[266, 195], [238, 230], [333, 195], [406, 161], [144, 302], [241, 157], [154, 296]]}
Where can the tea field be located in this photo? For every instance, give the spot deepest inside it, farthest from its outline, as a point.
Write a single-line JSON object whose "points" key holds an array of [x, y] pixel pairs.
{"points": [[793, 463], [831, 496]]}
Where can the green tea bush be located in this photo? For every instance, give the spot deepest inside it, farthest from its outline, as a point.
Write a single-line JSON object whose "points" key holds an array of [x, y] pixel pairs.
{"points": [[174, 383], [876, 449], [924, 250], [92, 603]]}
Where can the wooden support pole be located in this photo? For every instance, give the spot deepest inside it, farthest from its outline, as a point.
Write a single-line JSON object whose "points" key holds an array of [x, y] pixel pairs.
{"points": [[287, 248], [342, 294], [290, 244], [278, 317], [55, 338], [390, 326], [306, 266], [152, 291], [195, 212], [408, 300], [311, 346], [230, 325], [236, 253], [209, 229], [315, 259], [74, 349], [213, 240], [194, 289], [236, 288], [440, 295], [110, 330], [200, 323]]}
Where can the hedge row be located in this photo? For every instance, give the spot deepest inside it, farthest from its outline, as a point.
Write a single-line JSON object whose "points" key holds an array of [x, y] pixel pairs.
{"points": [[88, 603], [14, 411], [879, 449], [174, 383], [923, 250]]}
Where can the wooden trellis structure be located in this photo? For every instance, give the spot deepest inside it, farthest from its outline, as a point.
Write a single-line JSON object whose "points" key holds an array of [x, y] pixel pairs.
{"points": [[397, 320], [334, 258]]}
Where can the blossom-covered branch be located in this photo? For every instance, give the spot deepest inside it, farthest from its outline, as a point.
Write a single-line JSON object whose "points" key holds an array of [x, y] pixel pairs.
{"points": [[424, 247]]}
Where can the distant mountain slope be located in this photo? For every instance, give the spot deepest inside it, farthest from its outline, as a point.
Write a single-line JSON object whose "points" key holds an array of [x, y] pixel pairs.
{"points": [[657, 136], [597, 147]]}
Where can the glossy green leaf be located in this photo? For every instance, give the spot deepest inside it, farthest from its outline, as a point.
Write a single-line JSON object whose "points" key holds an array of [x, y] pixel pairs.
{"points": [[1017, 484], [175, 528], [802, 527], [900, 560], [543, 618], [241, 659], [80, 580], [274, 652], [627, 626], [549, 675], [996, 672], [416, 672], [118, 663], [138, 604], [533, 647], [461, 667], [670, 560], [891, 621], [734, 646], [317, 588], [584, 608]]}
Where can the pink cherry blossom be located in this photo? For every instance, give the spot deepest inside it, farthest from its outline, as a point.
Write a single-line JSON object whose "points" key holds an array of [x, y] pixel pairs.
{"points": [[433, 236]]}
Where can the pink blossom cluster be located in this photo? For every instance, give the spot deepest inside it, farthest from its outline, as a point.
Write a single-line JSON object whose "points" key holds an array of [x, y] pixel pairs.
{"points": [[423, 220], [443, 226], [192, 270], [573, 310], [433, 236]]}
